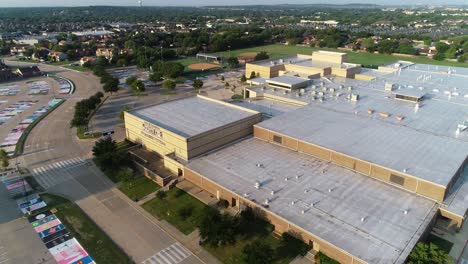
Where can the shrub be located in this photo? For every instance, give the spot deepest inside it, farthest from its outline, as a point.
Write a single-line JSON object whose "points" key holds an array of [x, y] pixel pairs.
{"points": [[324, 259], [169, 85], [161, 195], [185, 212], [178, 193], [222, 203], [258, 253]]}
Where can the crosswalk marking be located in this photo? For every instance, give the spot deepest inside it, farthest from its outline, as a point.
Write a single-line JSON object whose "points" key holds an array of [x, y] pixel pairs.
{"points": [[173, 254], [50, 175]]}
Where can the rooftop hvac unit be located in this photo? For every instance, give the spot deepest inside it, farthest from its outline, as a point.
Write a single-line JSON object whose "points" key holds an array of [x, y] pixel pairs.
{"points": [[313, 93], [272, 192], [389, 87], [281, 61], [257, 185], [332, 90], [354, 97], [313, 87], [350, 88], [266, 201], [341, 86], [302, 90], [324, 89]]}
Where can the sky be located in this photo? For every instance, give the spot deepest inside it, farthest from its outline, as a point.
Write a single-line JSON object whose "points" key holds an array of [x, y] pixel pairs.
{"points": [[30, 3]]}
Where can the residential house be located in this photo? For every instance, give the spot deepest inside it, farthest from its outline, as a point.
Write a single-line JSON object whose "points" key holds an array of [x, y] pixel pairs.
{"points": [[108, 53], [87, 59], [58, 56], [27, 72]]}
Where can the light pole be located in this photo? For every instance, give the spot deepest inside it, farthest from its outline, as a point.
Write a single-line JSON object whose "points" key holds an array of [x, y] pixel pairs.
{"points": [[161, 50]]}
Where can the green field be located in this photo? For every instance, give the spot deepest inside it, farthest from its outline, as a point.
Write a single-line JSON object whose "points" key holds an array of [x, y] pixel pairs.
{"points": [[138, 187], [94, 240], [367, 59], [232, 254], [170, 207]]}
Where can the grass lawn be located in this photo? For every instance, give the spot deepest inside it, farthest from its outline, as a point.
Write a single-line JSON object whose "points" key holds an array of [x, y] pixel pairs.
{"points": [[169, 208], [58, 63], [77, 68], [94, 240], [138, 187], [232, 254], [440, 242], [279, 50], [168, 92], [80, 132]]}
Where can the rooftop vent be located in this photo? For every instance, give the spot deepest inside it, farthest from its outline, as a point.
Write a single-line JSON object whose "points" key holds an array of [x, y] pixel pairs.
{"points": [[370, 111], [293, 202], [405, 212], [257, 185], [384, 115], [303, 212], [354, 97], [259, 165], [286, 179], [350, 88], [400, 117], [266, 201], [363, 219], [306, 190], [272, 192]]}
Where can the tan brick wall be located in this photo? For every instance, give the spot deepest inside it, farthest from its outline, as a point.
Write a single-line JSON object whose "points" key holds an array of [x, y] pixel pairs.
{"points": [[362, 167], [314, 151], [261, 133], [290, 143], [430, 190], [342, 160]]}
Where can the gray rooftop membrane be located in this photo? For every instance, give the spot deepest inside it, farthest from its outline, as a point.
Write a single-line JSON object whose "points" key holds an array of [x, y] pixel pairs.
{"points": [[191, 116], [341, 198], [435, 158]]}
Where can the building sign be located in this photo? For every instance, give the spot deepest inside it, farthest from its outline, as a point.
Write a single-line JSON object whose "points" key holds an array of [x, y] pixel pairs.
{"points": [[152, 130]]}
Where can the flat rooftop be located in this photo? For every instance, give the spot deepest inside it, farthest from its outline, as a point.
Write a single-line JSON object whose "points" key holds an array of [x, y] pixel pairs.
{"points": [[434, 158], [191, 116], [340, 198], [288, 80]]}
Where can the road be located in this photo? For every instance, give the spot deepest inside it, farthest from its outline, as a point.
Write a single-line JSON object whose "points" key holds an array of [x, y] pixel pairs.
{"points": [[61, 163]]}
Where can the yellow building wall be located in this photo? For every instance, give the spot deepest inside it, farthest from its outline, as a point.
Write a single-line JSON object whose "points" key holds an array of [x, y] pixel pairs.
{"points": [[169, 142], [329, 57], [264, 71], [306, 70]]}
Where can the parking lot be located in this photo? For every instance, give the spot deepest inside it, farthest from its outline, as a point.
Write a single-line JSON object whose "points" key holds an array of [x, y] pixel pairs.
{"points": [[22, 102], [19, 243]]}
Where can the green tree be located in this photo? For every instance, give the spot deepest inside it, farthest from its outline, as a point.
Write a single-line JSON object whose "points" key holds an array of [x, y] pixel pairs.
{"points": [[216, 229], [439, 56], [258, 252], [112, 85], [130, 80], [222, 78], [155, 76], [428, 253], [4, 159], [233, 62], [169, 85], [262, 55], [106, 154], [138, 86], [197, 84], [442, 47], [243, 79], [451, 53], [252, 75]]}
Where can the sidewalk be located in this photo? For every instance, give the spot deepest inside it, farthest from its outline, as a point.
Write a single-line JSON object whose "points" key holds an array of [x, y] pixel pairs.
{"points": [[189, 241]]}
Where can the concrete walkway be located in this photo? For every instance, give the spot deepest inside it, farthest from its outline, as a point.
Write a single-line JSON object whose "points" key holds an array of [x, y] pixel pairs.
{"points": [[189, 241]]}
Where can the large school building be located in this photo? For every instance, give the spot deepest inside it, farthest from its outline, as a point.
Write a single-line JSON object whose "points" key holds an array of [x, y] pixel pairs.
{"points": [[358, 163]]}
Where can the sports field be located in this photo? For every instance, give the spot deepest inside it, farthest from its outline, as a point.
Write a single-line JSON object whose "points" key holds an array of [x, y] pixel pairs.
{"points": [[203, 66], [366, 59]]}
